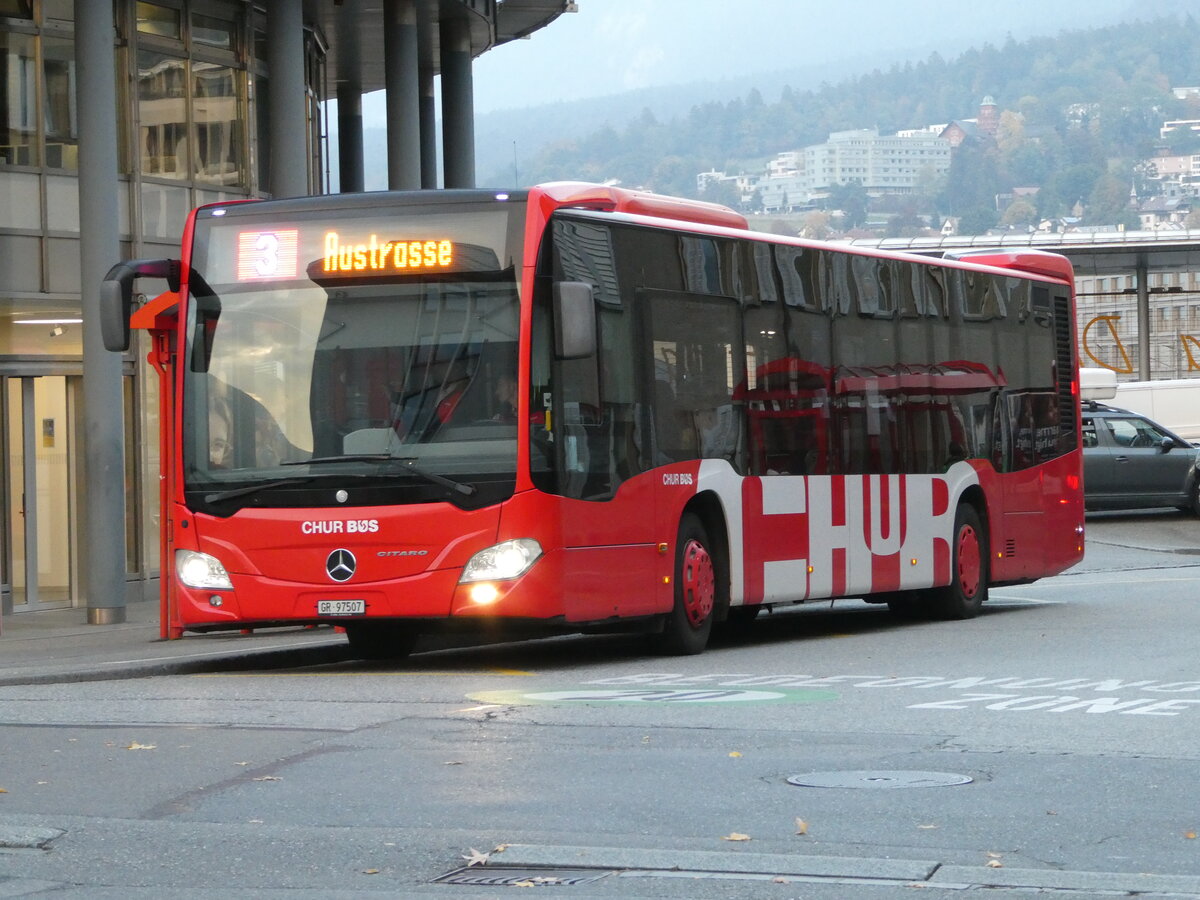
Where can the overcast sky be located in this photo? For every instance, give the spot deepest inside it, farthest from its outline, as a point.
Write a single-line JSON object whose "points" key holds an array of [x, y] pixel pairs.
{"points": [[610, 46]]}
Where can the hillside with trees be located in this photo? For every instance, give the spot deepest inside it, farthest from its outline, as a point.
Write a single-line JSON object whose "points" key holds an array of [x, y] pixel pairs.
{"points": [[1080, 113]]}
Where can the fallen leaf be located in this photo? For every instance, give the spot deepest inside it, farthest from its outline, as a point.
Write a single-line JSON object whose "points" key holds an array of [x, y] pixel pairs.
{"points": [[242, 764], [3, 791], [927, 826], [370, 871], [735, 753], [452, 762], [500, 848], [525, 883], [992, 855], [801, 826], [778, 879], [736, 836], [268, 778], [42, 782], [1190, 835], [995, 864], [136, 746], [476, 858]]}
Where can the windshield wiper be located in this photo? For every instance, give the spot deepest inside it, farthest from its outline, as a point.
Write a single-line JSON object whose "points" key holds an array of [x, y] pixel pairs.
{"points": [[408, 462], [253, 489]]}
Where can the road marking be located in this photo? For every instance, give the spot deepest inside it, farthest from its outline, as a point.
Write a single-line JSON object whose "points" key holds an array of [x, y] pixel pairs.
{"points": [[1086, 695], [487, 670], [647, 695]]}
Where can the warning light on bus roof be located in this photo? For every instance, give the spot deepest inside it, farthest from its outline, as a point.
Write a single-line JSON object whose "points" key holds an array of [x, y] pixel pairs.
{"points": [[385, 256]]}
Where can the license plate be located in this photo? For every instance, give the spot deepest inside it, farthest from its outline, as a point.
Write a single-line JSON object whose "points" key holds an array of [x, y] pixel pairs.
{"points": [[341, 607]]}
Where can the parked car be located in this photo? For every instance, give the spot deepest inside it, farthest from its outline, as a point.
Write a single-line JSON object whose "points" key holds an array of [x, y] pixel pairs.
{"points": [[1132, 462]]}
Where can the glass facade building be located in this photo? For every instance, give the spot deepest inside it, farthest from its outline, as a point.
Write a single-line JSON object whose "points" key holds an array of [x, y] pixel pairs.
{"points": [[195, 120]]}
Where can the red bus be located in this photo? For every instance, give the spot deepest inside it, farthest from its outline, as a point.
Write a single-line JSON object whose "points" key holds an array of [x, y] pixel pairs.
{"points": [[582, 408]]}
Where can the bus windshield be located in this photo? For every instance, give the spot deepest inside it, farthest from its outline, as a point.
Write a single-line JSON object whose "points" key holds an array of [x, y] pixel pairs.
{"points": [[401, 383]]}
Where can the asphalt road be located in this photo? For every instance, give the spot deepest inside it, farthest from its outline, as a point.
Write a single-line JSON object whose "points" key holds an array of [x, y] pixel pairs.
{"points": [[830, 752]]}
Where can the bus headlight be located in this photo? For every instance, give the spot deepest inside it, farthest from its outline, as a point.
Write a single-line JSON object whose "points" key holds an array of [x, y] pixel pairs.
{"points": [[199, 570], [507, 559]]}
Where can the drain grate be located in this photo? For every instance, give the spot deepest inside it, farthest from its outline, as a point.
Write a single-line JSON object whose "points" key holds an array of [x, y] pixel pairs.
{"points": [[877, 780], [499, 876]]}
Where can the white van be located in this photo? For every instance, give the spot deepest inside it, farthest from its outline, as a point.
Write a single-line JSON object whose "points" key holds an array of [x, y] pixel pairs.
{"points": [[1172, 403]]}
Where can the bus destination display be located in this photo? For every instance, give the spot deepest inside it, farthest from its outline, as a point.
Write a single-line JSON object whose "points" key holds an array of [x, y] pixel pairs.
{"points": [[265, 255]]}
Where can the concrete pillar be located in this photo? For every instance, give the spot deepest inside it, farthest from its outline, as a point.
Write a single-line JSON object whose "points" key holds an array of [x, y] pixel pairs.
{"points": [[429, 154], [1143, 318], [349, 101], [103, 444], [350, 137], [458, 105], [401, 66], [287, 113]]}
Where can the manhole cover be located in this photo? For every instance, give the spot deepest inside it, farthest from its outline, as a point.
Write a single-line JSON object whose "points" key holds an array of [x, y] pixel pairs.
{"points": [[497, 876], [877, 779]]}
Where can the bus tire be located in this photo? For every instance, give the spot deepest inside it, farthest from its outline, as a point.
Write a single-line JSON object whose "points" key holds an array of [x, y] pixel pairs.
{"points": [[380, 640], [969, 556], [689, 624]]}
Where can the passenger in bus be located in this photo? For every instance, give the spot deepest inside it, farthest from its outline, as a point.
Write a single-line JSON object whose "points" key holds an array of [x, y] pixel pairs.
{"points": [[220, 450], [268, 446], [506, 400]]}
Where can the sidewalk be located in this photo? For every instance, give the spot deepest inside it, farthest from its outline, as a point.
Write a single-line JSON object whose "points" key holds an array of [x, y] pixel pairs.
{"points": [[60, 646]]}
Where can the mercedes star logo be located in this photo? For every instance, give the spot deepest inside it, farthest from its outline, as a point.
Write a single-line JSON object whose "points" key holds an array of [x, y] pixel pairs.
{"points": [[340, 565]]}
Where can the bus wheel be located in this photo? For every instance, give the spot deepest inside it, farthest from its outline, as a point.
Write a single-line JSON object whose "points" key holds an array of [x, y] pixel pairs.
{"points": [[690, 622], [963, 597], [380, 640]]}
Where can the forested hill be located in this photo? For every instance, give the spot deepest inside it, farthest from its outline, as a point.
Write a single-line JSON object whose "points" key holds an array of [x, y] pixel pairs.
{"points": [[1088, 98]]}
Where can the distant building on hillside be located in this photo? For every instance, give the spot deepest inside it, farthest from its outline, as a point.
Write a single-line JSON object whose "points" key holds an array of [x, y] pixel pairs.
{"points": [[882, 164]]}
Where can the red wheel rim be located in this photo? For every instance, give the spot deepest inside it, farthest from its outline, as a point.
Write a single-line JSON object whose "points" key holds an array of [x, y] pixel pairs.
{"points": [[697, 583], [969, 561]]}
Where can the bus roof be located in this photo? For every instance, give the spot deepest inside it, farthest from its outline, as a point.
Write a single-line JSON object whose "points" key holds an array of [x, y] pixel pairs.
{"points": [[608, 198]]}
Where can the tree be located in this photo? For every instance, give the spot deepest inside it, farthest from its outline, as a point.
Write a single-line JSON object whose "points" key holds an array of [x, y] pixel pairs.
{"points": [[977, 220], [1108, 201], [724, 192], [974, 178], [816, 226], [851, 199], [1010, 132], [906, 224], [1019, 212]]}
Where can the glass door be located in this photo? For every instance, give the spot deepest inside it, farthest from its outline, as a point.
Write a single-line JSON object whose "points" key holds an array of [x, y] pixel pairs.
{"points": [[39, 494]]}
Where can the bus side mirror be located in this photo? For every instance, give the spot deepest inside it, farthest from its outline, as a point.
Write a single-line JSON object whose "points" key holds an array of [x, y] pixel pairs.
{"points": [[574, 320], [116, 296]]}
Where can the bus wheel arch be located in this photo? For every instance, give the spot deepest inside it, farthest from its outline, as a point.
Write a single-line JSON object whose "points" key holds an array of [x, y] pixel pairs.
{"points": [[700, 578], [970, 561]]}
